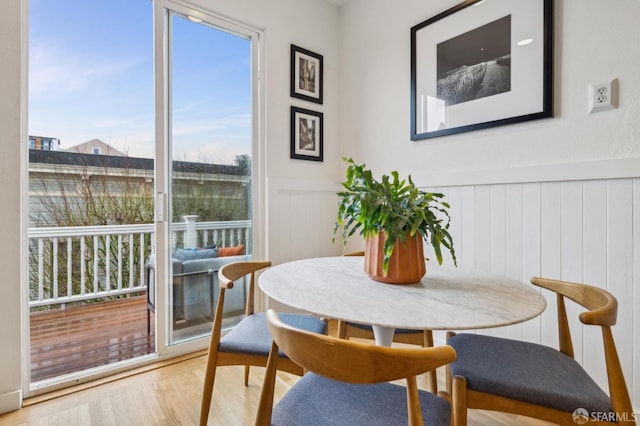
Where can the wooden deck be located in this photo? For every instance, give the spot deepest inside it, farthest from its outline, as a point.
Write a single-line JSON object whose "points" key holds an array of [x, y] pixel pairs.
{"points": [[81, 337]]}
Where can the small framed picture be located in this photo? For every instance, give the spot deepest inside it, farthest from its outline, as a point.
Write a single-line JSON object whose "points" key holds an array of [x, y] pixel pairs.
{"points": [[306, 134], [306, 75]]}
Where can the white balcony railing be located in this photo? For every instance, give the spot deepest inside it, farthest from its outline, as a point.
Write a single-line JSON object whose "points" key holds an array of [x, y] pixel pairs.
{"points": [[71, 264]]}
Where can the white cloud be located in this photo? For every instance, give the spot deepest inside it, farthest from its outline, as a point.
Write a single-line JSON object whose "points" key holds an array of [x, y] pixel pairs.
{"points": [[54, 69], [123, 121]]}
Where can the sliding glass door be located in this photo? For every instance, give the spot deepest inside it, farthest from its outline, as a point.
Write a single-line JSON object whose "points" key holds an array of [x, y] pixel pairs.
{"points": [[142, 180], [210, 185]]}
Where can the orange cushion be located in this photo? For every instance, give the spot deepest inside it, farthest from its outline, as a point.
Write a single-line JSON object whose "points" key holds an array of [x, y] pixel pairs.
{"points": [[231, 251]]}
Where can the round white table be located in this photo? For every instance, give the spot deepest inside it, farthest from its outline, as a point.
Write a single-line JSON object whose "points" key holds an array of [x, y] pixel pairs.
{"points": [[447, 298]]}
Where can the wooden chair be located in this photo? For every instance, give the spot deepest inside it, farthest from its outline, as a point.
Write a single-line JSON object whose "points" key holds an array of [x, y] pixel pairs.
{"points": [[537, 381], [249, 342], [422, 338], [346, 382]]}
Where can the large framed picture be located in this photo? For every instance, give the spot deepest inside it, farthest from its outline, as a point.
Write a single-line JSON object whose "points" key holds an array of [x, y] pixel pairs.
{"points": [[479, 64], [306, 75], [306, 134]]}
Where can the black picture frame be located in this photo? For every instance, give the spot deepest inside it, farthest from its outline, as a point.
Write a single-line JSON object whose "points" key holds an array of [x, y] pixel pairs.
{"points": [[306, 75], [481, 64], [306, 134]]}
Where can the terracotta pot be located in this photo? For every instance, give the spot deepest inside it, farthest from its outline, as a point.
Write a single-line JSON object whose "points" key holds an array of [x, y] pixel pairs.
{"points": [[407, 263]]}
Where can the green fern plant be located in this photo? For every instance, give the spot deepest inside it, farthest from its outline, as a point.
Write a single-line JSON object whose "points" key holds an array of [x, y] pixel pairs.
{"points": [[393, 205]]}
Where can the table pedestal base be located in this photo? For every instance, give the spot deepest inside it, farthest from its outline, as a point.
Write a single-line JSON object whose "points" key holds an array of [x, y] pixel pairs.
{"points": [[383, 335]]}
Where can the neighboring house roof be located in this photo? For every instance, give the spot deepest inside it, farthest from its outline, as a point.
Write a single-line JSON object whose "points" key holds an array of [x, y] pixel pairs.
{"points": [[67, 158], [123, 162], [91, 146]]}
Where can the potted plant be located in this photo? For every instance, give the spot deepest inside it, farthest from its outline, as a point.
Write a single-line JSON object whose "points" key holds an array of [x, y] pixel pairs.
{"points": [[391, 214]]}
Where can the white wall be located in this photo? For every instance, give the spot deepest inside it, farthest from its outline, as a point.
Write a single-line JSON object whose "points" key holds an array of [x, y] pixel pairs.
{"points": [[10, 217]]}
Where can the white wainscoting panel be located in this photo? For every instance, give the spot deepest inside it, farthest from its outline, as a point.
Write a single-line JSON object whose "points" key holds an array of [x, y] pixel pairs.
{"points": [[300, 218], [582, 231]]}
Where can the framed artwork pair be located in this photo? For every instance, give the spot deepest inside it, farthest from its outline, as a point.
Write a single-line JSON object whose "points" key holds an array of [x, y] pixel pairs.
{"points": [[306, 125]]}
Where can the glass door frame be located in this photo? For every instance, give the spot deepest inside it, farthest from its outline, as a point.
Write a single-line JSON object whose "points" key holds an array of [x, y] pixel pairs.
{"points": [[163, 158]]}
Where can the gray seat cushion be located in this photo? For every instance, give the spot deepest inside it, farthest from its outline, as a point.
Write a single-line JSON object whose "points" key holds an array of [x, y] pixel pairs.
{"points": [[318, 401], [397, 331], [185, 255], [251, 335], [526, 372]]}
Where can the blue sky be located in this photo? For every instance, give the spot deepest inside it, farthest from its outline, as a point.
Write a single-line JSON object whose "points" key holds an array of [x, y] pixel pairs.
{"points": [[91, 76]]}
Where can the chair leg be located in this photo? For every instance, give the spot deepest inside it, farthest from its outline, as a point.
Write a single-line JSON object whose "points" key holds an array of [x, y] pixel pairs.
{"points": [[413, 403], [459, 401], [432, 381], [447, 374], [265, 406], [246, 375], [342, 329], [432, 376], [207, 391]]}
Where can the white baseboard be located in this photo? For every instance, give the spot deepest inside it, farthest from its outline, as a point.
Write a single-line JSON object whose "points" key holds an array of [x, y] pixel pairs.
{"points": [[10, 401]]}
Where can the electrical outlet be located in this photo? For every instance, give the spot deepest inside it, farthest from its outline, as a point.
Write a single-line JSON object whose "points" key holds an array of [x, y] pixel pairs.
{"points": [[602, 96]]}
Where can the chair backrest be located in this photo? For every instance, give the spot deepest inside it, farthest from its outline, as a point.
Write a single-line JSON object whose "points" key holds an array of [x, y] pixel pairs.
{"points": [[232, 272], [354, 362], [601, 310]]}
